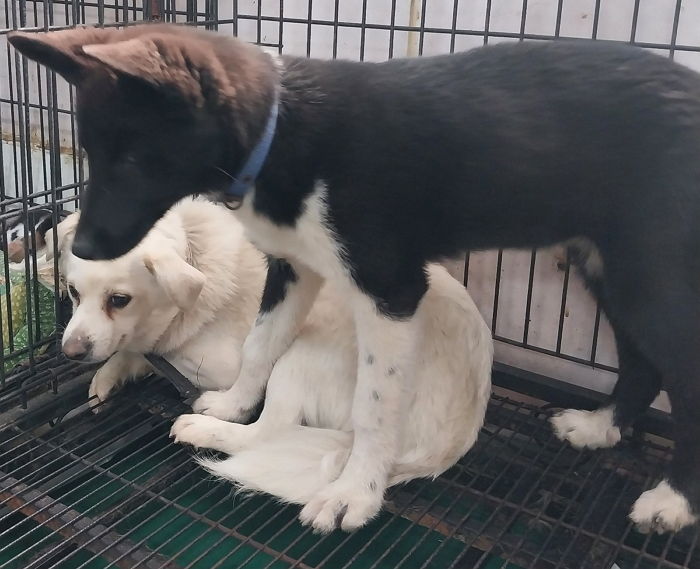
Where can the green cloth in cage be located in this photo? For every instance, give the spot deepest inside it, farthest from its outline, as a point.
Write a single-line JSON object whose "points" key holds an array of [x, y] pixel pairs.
{"points": [[43, 316]]}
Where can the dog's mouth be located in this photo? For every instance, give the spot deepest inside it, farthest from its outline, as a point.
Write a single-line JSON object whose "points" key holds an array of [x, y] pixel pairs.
{"points": [[90, 358], [87, 360]]}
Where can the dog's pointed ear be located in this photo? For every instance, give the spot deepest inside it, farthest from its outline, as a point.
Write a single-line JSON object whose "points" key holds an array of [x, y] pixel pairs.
{"points": [[175, 68], [178, 279], [65, 231], [139, 58], [60, 51]]}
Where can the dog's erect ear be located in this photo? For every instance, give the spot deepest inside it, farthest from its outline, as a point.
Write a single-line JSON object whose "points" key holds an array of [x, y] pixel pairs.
{"points": [[161, 61], [179, 280], [65, 231], [138, 58], [60, 51]]}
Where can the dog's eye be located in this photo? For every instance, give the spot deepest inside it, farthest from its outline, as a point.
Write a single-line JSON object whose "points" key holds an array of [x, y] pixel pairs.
{"points": [[74, 293], [119, 300]]}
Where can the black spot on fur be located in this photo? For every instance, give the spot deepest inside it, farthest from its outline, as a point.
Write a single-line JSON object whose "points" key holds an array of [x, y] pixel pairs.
{"points": [[370, 359], [372, 486], [280, 275], [391, 371], [375, 396]]}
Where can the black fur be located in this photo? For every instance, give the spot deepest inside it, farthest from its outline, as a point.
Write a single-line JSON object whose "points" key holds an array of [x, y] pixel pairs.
{"points": [[280, 275], [518, 145]]}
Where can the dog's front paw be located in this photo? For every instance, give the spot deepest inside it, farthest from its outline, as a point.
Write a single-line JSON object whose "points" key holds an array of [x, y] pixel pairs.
{"points": [[199, 431], [342, 505], [662, 509], [100, 388], [587, 429], [222, 405]]}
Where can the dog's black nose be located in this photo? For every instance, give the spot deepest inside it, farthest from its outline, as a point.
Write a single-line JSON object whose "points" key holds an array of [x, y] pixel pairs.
{"points": [[85, 249], [77, 348]]}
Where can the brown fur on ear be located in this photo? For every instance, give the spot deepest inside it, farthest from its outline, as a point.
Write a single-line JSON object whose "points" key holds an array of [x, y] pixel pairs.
{"points": [[138, 57], [60, 51], [162, 60]]}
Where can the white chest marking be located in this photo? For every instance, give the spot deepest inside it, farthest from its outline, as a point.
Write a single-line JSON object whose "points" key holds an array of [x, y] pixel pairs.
{"points": [[310, 242]]}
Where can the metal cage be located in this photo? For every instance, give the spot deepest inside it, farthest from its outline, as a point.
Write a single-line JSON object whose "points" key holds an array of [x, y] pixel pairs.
{"points": [[79, 489]]}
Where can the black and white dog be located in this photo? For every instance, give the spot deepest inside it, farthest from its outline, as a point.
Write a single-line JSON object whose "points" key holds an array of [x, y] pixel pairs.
{"points": [[25, 234], [364, 172]]}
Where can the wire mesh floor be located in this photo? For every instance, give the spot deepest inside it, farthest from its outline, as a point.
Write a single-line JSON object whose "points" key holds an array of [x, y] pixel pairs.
{"points": [[86, 490]]}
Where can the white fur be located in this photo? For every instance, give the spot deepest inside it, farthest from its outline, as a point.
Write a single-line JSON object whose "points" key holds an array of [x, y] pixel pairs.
{"points": [[195, 283], [272, 335], [378, 413], [662, 509], [314, 382], [121, 367], [379, 423], [587, 429], [590, 258]]}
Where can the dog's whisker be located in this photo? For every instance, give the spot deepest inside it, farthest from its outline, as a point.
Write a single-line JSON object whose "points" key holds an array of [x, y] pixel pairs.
{"points": [[224, 172]]}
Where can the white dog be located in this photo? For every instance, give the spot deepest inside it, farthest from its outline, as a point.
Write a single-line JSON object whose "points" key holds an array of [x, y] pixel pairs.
{"points": [[190, 291]]}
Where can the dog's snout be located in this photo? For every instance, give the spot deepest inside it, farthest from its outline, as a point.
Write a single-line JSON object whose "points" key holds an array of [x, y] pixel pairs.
{"points": [[85, 248], [77, 348], [102, 245]]}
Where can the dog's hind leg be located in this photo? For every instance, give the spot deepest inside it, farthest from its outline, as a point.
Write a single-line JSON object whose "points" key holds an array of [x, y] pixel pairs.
{"points": [[387, 336], [675, 501], [638, 384], [288, 295], [654, 297]]}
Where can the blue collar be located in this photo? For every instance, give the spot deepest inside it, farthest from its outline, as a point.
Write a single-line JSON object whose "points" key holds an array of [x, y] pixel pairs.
{"points": [[251, 168]]}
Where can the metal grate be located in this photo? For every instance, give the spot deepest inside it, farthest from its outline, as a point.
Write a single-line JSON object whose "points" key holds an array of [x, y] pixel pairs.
{"points": [[110, 489]]}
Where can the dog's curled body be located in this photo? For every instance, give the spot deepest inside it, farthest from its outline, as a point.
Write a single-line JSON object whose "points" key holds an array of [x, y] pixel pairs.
{"points": [[195, 284], [304, 435]]}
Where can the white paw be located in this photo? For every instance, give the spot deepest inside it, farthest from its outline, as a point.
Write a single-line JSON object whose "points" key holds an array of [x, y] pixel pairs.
{"points": [[661, 509], [199, 431], [222, 405], [100, 388], [590, 429], [341, 505]]}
